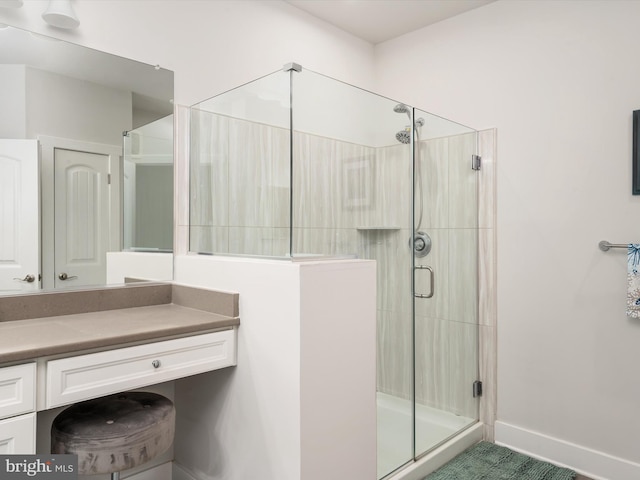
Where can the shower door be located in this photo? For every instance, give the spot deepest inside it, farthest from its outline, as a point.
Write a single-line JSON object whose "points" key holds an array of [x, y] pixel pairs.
{"points": [[427, 286], [445, 280]]}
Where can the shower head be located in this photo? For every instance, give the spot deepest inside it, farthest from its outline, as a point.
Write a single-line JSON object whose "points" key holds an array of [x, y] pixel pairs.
{"points": [[404, 136], [401, 108]]}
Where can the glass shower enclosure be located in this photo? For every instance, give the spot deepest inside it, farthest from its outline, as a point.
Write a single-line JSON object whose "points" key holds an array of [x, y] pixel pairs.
{"points": [[297, 165]]}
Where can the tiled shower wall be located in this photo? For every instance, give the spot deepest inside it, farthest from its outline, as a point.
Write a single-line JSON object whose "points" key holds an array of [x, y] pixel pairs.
{"points": [[239, 186], [354, 199]]}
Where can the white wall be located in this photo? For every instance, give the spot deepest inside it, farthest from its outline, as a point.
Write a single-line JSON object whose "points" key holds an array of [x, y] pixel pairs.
{"points": [[300, 404], [139, 265], [211, 46], [559, 81], [244, 422], [13, 99], [65, 107]]}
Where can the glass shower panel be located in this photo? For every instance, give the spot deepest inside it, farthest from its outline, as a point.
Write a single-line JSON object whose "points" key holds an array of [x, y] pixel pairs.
{"points": [[239, 166], [342, 190], [446, 324], [352, 195], [148, 187]]}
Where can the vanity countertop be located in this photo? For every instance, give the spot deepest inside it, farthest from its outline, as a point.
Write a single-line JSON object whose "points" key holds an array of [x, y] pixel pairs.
{"points": [[39, 337], [41, 325]]}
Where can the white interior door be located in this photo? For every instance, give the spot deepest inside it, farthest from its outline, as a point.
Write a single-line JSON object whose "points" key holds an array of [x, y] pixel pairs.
{"points": [[81, 217], [19, 215]]}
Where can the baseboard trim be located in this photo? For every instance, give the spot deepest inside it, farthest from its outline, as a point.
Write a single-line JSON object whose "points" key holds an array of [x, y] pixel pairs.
{"points": [[592, 463]]}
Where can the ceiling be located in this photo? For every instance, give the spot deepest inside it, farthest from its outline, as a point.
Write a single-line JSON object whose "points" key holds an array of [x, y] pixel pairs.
{"points": [[379, 20]]}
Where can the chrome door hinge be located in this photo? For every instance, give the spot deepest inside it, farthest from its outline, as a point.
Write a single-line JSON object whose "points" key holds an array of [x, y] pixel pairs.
{"points": [[108, 179], [476, 162], [477, 389]]}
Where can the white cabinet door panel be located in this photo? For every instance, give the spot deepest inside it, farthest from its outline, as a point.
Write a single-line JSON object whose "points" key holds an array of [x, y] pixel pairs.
{"points": [[17, 389], [18, 435]]}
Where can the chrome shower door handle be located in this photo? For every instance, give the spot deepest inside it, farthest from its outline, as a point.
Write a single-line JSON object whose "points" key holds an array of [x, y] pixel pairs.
{"points": [[432, 282]]}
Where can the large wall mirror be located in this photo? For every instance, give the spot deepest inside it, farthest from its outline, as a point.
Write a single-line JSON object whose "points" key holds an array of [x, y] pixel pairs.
{"points": [[86, 161]]}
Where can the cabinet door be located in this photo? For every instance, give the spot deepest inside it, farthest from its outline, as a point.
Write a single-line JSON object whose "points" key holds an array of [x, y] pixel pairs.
{"points": [[18, 435], [17, 389]]}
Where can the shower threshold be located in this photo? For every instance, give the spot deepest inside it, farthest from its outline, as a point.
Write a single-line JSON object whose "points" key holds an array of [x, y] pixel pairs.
{"points": [[395, 430]]}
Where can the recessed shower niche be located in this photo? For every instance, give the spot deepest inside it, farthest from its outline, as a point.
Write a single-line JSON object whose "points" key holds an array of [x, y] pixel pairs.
{"points": [[296, 165]]}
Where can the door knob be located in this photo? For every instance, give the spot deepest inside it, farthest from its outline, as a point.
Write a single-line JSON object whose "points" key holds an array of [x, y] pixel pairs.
{"points": [[28, 278], [64, 276]]}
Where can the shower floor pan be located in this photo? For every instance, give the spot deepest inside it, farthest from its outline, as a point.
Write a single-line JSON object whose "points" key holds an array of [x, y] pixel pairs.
{"points": [[395, 430]]}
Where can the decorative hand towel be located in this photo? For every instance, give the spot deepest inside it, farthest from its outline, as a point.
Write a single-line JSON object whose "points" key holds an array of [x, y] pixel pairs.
{"points": [[633, 280]]}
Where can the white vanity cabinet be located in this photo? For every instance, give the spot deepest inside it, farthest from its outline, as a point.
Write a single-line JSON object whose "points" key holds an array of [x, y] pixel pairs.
{"points": [[17, 409], [76, 378]]}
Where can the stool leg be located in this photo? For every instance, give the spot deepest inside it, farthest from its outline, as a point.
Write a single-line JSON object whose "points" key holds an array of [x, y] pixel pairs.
{"points": [[115, 476]]}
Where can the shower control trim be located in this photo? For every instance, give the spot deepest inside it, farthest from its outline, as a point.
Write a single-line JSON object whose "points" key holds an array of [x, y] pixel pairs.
{"points": [[421, 244]]}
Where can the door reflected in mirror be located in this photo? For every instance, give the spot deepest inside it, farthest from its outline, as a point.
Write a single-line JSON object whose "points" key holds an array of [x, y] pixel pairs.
{"points": [[65, 199]]}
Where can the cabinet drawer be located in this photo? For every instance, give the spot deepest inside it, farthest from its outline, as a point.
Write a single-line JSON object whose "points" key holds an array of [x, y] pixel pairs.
{"points": [[17, 389], [89, 376], [18, 435]]}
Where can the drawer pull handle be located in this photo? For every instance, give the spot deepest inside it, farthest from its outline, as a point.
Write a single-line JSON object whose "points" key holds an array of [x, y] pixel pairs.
{"points": [[156, 363]]}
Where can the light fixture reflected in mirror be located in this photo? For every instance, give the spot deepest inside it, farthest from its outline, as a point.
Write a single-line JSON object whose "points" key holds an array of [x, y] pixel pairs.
{"points": [[11, 3], [60, 14]]}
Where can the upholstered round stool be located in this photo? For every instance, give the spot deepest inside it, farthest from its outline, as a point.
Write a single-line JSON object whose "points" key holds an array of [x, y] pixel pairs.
{"points": [[115, 433]]}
